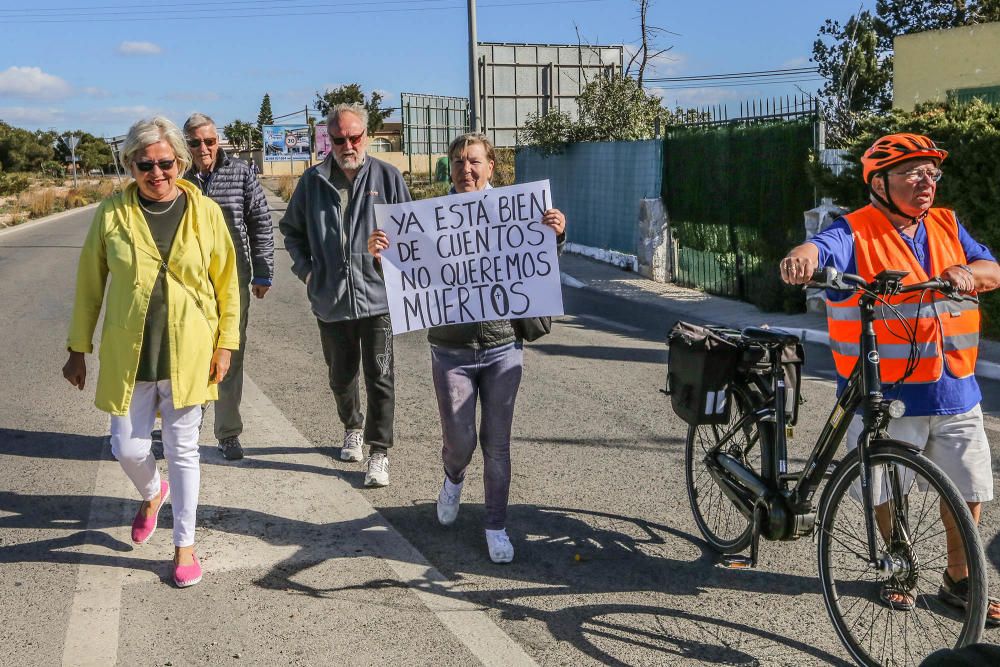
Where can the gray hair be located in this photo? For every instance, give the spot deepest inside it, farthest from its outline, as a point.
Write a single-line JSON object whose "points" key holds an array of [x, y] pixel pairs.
{"points": [[458, 144], [356, 109], [197, 120], [147, 132]]}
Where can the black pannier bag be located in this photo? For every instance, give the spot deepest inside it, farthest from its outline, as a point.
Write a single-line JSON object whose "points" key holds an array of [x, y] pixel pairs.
{"points": [[753, 360], [701, 366]]}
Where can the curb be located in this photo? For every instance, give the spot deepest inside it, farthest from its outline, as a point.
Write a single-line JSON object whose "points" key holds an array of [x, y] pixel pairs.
{"points": [[48, 218]]}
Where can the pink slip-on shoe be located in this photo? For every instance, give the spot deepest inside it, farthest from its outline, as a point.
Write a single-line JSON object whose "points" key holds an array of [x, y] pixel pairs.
{"points": [[187, 575], [143, 527]]}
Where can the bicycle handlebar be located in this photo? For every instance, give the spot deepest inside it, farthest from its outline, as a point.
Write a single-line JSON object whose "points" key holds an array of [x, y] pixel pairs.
{"points": [[887, 282]]}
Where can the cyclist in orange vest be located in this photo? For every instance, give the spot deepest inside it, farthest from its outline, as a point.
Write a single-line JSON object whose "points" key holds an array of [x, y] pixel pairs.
{"points": [[900, 229]]}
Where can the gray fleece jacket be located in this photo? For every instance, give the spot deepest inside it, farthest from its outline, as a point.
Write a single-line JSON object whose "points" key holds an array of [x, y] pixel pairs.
{"points": [[344, 283]]}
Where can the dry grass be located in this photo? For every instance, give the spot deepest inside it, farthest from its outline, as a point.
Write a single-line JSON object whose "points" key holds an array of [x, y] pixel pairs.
{"points": [[286, 186], [41, 201]]}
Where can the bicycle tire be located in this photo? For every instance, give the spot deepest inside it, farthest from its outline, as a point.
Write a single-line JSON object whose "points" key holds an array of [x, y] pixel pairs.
{"points": [[872, 633], [722, 525]]}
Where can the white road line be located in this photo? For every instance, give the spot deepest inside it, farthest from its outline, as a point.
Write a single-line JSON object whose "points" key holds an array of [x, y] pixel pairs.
{"points": [[313, 499], [92, 633]]}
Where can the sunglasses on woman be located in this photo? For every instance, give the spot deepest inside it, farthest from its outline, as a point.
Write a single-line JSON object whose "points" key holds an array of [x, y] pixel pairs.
{"points": [[147, 165], [194, 143]]}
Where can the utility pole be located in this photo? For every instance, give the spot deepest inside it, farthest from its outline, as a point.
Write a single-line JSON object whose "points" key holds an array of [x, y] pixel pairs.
{"points": [[473, 70]]}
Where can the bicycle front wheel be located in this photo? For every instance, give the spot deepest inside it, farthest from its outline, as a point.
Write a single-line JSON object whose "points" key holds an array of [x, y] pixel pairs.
{"points": [[724, 527], [913, 503]]}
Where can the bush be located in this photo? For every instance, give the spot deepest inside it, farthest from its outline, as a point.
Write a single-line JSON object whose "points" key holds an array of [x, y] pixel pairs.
{"points": [[12, 184], [286, 186], [39, 203], [971, 184]]}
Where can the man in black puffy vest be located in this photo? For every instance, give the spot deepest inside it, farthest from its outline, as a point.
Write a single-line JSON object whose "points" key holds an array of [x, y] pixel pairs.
{"points": [[234, 186]]}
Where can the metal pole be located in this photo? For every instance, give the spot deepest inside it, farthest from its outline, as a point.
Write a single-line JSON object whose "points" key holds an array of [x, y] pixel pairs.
{"points": [[473, 70], [409, 139]]}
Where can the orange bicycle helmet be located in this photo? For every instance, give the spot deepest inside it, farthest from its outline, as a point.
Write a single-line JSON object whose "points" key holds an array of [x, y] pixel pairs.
{"points": [[895, 148]]}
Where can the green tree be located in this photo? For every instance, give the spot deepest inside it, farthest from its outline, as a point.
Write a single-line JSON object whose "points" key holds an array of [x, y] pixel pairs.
{"points": [[610, 109], [353, 94], [855, 58], [858, 72], [22, 150], [902, 17], [91, 152], [265, 116], [243, 136]]}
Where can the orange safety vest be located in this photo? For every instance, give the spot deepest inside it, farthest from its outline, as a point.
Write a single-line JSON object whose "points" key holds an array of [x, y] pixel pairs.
{"points": [[946, 331]]}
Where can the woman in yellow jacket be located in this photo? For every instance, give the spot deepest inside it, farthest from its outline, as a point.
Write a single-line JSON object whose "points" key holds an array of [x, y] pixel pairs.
{"points": [[171, 319]]}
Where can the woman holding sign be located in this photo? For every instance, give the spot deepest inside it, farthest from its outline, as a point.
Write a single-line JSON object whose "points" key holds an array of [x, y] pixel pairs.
{"points": [[478, 359]]}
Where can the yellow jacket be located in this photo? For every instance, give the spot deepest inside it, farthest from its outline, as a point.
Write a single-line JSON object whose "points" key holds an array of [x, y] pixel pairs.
{"points": [[203, 313]]}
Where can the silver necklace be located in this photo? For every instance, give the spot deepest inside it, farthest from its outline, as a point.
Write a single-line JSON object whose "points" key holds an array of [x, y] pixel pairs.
{"points": [[164, 211]]}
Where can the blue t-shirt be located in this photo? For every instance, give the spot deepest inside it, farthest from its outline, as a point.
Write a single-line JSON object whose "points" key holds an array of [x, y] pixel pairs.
{"points": [[947, 396]]}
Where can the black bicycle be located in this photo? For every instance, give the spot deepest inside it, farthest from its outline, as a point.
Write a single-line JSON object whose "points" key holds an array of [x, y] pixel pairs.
{"points": [[889, 520]]}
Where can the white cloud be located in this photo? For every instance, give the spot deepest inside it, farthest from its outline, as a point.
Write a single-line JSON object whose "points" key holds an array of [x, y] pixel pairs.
{"points": [[801, 61], [94, 91], [32, 83], [139, 49], [31, 117]]}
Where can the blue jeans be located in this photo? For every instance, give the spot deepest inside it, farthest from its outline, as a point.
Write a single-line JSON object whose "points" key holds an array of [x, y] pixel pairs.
{"points": [[461, 375]]}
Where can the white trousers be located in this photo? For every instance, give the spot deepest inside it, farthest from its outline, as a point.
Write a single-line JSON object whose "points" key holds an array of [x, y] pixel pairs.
{"points": [[132, 446], [956, 443]]}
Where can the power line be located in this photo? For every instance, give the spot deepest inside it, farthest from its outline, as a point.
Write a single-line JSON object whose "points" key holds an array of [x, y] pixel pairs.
{"points": [[762, 74], [178, 15], [737, 84], [197, 7]]}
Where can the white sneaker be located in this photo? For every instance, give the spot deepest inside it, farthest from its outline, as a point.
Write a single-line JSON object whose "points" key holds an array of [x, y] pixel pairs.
{"points": [[448, 502], [377, 470], [353, 441], [501, 550]]}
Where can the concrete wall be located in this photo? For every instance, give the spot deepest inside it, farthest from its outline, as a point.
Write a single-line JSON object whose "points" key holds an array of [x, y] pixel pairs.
{"points": [[927, 65], [397, 159]]}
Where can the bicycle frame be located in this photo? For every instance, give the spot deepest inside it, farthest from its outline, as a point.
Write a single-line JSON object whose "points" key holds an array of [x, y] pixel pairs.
{"points": [[791, 510]]}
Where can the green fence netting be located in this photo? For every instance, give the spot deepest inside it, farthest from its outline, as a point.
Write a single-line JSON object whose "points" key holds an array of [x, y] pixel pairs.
{"points": [[735, 196]]}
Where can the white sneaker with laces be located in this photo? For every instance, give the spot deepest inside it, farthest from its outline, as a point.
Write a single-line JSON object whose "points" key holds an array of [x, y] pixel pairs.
{"points": [[377, 470], [353, 441], [501, 550], [448, 502]]}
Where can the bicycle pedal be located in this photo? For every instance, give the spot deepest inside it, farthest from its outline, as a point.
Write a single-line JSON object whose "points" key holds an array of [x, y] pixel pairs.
{"points": [[736, 563]]}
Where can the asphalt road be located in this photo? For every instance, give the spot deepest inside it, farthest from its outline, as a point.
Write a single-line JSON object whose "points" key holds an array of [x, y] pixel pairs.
{"points": [[303, 566]]}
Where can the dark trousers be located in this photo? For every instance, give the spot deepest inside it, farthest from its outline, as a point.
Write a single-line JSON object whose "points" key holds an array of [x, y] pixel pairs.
{"points": [[349, 346], [228, 421]]}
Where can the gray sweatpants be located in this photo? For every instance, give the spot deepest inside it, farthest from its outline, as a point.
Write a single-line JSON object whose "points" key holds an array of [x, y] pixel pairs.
{"points": [[461, 376]]}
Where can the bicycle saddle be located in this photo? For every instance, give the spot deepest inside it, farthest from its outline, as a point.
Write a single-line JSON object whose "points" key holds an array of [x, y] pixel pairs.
{"points": [[769, 336]]}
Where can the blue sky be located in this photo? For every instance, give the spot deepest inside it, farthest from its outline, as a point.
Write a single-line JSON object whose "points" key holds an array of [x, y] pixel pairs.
{"points": [[99, 65]]}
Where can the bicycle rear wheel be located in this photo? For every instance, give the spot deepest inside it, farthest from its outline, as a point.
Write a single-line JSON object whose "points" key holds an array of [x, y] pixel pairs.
{"points": [[725, 528], [912, 495]]}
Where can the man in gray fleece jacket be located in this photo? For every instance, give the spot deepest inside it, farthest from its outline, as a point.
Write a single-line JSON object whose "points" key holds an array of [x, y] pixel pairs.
{"points": [[326, 228]]}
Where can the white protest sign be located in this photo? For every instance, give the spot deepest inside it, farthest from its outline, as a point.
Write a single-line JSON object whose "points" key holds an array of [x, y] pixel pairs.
{"points": [[470, 257]]}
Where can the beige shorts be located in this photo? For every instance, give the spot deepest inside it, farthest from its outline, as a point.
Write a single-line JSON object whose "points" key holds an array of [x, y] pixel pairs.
{"points": [[956, 443]]}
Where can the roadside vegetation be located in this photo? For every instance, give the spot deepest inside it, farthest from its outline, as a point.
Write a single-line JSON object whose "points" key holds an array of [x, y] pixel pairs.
{"points": [[27, 196], [34, 179]]}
